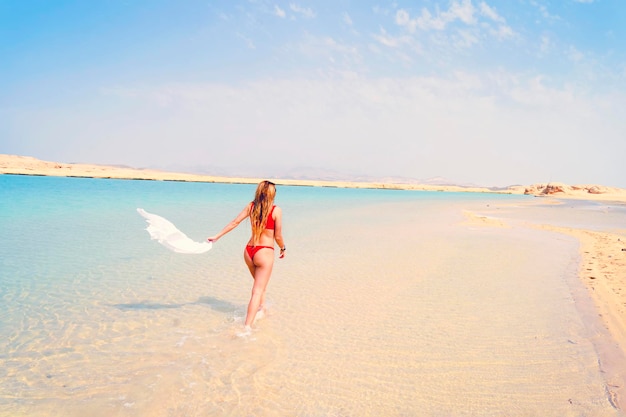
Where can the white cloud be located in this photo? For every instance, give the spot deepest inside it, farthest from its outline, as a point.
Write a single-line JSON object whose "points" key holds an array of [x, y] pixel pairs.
{"points": [[304, 11], [391, 41], [328, 49], [545, 13], [574, 54], [279, 12], [380, 11], [491, 13], [402, 47], [533, 92], [473, 24], [347, 19], [503, 32], [249, 43], [425, 21], [546, 44], [465, 39], [333, 45], [404, 19], [463, 11]]}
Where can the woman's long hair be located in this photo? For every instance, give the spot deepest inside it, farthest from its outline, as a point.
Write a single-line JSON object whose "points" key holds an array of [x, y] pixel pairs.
{"points": [[261, 207]]}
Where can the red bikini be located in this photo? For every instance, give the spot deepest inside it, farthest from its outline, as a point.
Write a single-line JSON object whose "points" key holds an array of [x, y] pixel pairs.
{"points": [[252, 250], [270, 220]]}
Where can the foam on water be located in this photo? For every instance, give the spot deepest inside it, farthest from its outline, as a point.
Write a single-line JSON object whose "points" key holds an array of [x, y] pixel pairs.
{"points": [[386, 304]]}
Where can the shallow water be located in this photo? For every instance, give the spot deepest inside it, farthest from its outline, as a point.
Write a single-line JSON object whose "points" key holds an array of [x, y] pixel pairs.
{"points": [[386, 304]]}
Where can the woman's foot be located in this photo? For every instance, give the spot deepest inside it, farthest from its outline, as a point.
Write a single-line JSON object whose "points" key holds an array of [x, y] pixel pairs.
{"points": [[260, 313], [247, 331]]}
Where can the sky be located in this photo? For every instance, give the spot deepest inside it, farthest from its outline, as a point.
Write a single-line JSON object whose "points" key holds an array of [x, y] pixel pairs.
{"points": [[484, 92]]}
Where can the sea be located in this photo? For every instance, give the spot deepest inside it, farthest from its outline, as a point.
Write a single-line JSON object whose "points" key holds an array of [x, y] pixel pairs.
{"points": [[387, 303]]}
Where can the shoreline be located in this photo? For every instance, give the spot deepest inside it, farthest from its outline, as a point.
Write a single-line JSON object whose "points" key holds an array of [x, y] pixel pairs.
{"points": [[602, 273], [26, 165]]}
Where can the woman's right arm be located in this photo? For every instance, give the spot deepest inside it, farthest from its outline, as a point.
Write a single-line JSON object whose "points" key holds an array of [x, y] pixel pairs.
{"points": [[230, 226]]}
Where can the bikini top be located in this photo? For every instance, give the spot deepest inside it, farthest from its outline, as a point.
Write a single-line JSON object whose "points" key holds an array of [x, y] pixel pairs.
{"points": [[270, 220]]}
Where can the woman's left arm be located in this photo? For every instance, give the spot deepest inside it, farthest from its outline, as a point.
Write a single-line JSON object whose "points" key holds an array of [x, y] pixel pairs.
{"points": [[278, 230]]}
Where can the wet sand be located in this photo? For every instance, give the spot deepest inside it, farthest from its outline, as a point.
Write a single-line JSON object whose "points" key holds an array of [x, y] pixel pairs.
{"points": [[602, 270]]}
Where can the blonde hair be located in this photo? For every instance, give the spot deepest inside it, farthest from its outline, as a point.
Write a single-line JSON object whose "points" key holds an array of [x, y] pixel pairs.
{"points": [[261, 207]]}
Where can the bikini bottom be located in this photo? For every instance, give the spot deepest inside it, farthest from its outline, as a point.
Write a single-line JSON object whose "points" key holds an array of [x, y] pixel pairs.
{"points": [[252, 250]]}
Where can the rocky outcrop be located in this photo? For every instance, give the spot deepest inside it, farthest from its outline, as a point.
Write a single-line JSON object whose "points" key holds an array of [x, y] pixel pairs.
{"points": [[563, 190], [546, 189]]}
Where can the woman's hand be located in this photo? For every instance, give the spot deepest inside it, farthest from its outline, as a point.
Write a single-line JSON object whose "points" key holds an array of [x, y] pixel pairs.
{"points": [[212, 239], [282, 252]]}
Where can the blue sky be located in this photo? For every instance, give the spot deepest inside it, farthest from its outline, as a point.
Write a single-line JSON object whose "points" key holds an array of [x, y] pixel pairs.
{"points": [[488, 92]]}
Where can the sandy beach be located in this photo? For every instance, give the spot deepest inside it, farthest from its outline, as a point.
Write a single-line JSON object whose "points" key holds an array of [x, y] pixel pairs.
{"points": [[26, 165], [603, 272], [602, 267]]}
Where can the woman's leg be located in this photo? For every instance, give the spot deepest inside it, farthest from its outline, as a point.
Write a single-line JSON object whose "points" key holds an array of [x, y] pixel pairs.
{"points": [[252, 268], [261, 270]]}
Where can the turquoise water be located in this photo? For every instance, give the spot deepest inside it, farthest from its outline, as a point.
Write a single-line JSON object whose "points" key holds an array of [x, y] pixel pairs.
{"points": [[97, 319], [57, 230]]}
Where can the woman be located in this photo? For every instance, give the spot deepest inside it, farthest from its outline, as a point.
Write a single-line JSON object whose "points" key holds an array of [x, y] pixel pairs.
{"points": [[266, 221]]}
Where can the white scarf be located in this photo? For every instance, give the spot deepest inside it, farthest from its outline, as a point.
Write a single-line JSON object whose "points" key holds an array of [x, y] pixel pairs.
{"points": [[164, 232]]}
